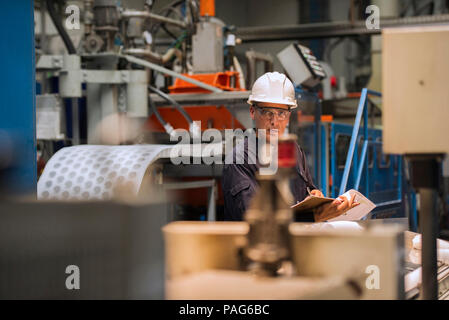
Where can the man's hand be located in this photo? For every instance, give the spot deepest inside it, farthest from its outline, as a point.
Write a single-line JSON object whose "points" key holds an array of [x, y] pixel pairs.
{"points": [[335, 208], [317, 193]]}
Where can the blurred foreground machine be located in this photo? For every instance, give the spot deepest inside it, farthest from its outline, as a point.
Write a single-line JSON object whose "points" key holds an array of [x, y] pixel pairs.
{"points": [[78, 249], [204, 261], [339, 260], [269, 257], [113, 250]]}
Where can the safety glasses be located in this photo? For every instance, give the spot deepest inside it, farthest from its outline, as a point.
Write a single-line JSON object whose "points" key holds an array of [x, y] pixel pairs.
{"points": [[281, 114]]}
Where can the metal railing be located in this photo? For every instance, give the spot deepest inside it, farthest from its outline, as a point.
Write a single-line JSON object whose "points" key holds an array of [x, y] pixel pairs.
{"points": [[362, 166]]}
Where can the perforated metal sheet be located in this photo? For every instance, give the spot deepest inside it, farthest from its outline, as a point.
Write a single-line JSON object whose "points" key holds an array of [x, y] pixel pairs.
{"points": [[88, 172]]}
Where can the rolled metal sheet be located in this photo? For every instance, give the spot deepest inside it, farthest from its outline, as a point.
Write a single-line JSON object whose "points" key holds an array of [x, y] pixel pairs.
{"points": [[91, 172]]}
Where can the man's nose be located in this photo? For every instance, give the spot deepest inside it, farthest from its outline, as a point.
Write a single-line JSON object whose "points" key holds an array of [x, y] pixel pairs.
{"points": [[276, 116]]}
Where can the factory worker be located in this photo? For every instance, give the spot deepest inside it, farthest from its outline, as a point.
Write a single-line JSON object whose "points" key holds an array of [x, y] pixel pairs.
{"points": [[271, 101]]}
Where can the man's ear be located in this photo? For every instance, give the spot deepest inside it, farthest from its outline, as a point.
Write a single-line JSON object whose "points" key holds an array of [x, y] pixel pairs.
{"points": [[251, 112]]}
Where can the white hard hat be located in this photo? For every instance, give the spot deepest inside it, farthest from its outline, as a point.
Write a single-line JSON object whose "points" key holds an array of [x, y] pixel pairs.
{"points": [[273, 87]]}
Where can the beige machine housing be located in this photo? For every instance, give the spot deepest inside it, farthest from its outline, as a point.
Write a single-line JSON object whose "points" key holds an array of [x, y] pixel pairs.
{"points": [[202, 262], [415, 92]]}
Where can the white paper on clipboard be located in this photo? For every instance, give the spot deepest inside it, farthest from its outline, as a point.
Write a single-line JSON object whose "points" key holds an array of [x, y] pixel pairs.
{"points": [[358, 212]]}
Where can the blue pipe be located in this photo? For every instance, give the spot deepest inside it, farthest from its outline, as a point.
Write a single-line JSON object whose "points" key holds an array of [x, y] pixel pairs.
{"points": [[360, 110], [355, 132], [365, 131]]}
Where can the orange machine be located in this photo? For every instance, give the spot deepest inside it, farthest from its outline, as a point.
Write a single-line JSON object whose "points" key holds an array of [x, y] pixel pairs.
{"points": [[207, 8], [217, 117]]}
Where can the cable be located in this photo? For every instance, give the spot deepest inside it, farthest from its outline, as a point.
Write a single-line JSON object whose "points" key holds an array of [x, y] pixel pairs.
{"points": [[168, 32], [429, 5], [177, 43], [172, 101], [167, 126], [194, 11], [158, 115], [57, 22], [155, 28], [171, 5]]}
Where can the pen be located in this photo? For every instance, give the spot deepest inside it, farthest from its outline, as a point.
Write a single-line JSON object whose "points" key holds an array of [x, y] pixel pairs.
{"points": [[308, 190]]}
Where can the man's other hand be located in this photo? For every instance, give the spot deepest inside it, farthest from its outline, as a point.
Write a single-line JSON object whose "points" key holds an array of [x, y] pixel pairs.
{"points": [[317, 193], [335, 208]]}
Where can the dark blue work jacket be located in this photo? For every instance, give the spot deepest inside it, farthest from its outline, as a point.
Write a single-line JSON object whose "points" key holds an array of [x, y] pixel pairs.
{"points": [[240, 184]]}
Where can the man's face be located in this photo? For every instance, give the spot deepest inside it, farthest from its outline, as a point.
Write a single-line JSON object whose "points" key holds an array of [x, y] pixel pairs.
{"points": [[270, 116]]}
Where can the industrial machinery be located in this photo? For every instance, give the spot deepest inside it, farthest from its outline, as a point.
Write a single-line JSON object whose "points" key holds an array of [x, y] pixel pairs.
{"points": [[304, 69], [117, 87], [110, 110], [117, 60]]}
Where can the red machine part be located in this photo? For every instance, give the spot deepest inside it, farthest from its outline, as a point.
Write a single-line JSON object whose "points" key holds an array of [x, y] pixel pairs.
{"points": [[221, 80], [287, 154], [217, 117], [333, 80], [210, 116], [195, 197]]}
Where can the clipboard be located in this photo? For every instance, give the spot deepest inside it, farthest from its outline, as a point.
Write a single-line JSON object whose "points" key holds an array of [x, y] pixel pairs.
{"points": [[310, 202], [357, 213]]}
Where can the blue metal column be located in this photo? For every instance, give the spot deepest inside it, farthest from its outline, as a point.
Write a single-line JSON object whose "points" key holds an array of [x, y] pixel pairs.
{"points": [[17, 90]]}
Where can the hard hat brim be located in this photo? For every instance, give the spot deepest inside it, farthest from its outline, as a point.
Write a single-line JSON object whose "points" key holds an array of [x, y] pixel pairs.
{"points": [[278, 101]]}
